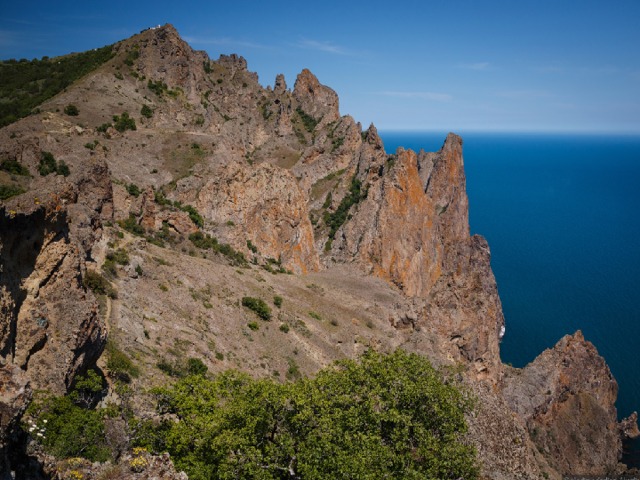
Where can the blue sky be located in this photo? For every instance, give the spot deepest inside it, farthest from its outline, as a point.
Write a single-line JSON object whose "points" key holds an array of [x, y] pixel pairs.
{"points": [[422, 65]]}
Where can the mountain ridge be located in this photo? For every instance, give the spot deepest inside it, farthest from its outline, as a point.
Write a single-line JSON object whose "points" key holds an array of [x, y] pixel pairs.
{"points": [[378, 246]]}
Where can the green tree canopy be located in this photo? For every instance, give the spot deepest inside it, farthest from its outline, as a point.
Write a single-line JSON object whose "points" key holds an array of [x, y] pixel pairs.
{"points": [[384, 416]]}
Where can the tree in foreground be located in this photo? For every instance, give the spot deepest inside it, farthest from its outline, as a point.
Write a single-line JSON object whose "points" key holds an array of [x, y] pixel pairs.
{"points": [[384, 416]]}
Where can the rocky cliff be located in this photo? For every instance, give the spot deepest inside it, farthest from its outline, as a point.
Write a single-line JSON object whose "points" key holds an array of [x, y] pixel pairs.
{"points": [[224, 188]]}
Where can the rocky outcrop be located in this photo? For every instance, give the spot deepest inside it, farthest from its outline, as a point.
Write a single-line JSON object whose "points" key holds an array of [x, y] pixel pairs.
{"points": [[265, 206], [414, 215], [49, 324], [161, 55], [566, 397], [315, 99], [505, 449], [412, 230], [464, 308]]}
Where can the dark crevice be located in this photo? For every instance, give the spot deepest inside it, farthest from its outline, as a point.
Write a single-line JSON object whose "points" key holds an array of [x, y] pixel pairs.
{"points": [[22, 237]]}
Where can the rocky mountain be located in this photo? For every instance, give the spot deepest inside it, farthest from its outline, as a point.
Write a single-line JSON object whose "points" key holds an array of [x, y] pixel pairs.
{"points": [[191, 186]]}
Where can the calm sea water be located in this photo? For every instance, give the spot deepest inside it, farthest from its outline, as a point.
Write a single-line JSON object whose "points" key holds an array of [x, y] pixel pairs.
{"points": [[562, 217]]}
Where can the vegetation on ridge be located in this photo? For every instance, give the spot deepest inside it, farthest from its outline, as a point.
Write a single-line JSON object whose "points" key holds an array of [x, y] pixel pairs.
{"points": [[334, 220], [26, 84]]}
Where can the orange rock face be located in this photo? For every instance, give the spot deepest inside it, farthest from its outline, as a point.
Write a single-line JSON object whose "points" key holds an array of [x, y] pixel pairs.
{"points": [[269, 210]]}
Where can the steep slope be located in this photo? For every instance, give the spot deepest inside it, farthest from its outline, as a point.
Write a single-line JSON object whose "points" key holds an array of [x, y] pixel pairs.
{"points": [[209, 188]]}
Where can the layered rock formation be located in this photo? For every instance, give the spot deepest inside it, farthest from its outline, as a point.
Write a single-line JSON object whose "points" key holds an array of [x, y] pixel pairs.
{"points": [[281, 177]]}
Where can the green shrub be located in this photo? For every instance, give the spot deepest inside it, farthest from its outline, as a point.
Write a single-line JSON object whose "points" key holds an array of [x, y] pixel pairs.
{"points": [[336, 143], [258, 306], [195, 366], [315, 315], [158, 87], [12, 166], [131, 225], [169, 369], [146, 111], [120, 256], [114, 258], [71, 110], [132, 55], [253, 326], [160, 198], [123, 122], [284, 328], [203, 241], [252, 247], [308, 121], [277, 301], [195, 217], [98, 284], [104, 127], [69, 430], [63, 169], [47, 164], [133, 189], [327, 201], [207, 242]]}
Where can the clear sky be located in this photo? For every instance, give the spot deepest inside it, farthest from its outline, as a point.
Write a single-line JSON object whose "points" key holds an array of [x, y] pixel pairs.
{"points": [[446, 65]]}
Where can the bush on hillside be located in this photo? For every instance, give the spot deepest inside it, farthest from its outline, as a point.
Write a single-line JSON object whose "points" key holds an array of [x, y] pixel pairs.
{"points": [[384, 416]]}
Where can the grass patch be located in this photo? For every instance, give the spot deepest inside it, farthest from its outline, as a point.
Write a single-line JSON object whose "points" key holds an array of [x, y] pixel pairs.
{"points": [[308, 121], [8, 191], [119, 364]]}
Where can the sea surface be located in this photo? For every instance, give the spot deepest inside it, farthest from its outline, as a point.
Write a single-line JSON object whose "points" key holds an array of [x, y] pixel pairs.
{"points": [[561, 214]]}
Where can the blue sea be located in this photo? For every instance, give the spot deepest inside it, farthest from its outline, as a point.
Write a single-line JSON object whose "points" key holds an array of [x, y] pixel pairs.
{"points": [[561, 214]]}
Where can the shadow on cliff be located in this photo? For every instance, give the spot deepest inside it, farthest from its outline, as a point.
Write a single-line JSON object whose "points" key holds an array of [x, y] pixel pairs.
{"points": [[21, 240]]}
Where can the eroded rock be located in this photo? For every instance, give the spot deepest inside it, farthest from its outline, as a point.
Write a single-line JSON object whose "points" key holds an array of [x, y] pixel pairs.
{"points": [[566, 397]]}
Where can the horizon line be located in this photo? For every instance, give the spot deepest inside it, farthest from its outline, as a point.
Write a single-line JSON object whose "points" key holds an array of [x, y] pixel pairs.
{"points": [[626, 133]]}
